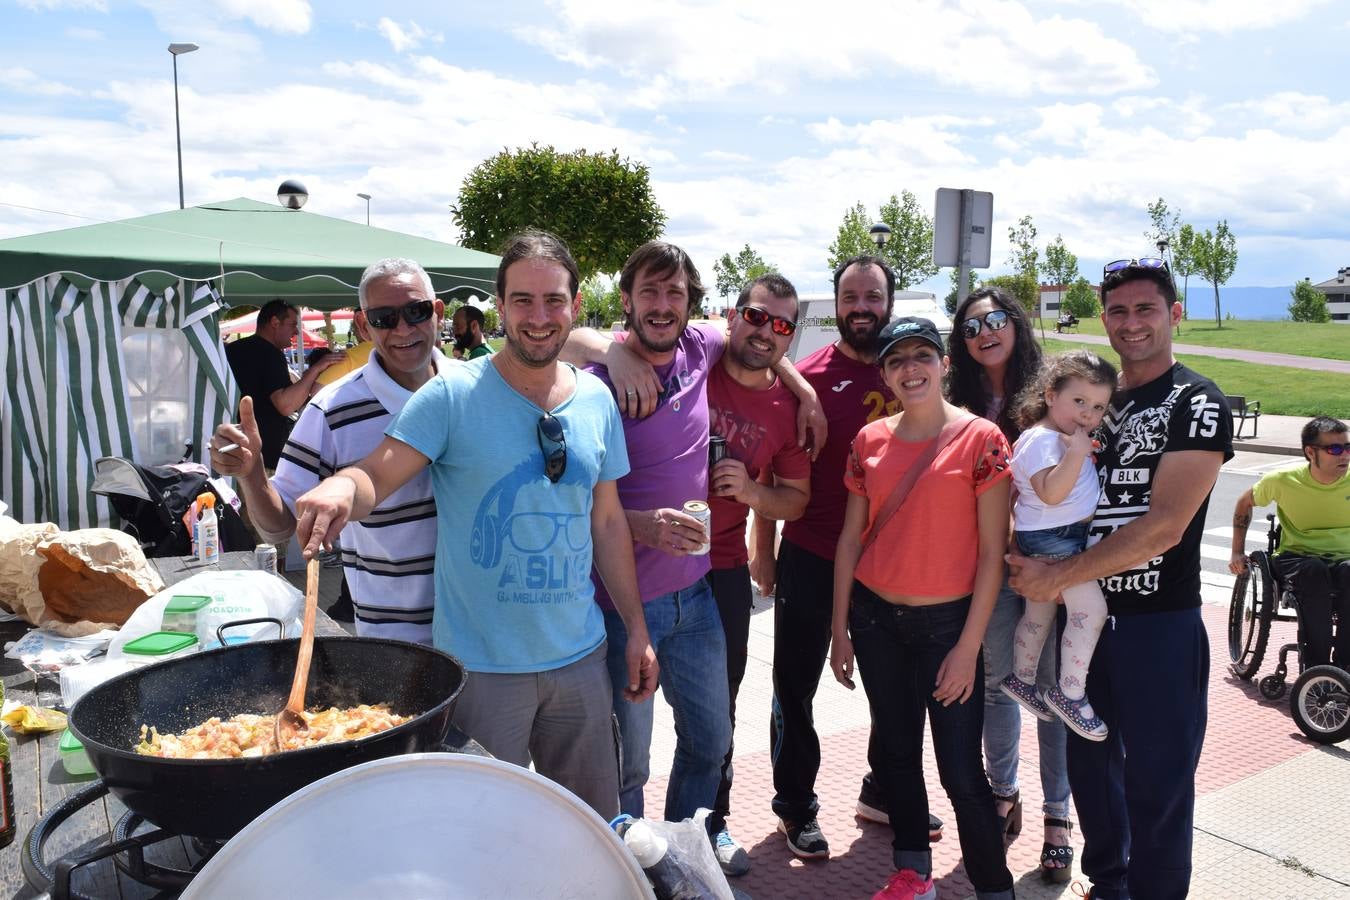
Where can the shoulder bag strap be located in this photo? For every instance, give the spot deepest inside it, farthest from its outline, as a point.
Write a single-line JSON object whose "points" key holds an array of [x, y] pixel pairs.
{"points": [[950, 432]]}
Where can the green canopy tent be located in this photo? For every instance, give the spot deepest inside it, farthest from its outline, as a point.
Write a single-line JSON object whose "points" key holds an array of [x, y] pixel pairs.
{"points": [[111, 343]]}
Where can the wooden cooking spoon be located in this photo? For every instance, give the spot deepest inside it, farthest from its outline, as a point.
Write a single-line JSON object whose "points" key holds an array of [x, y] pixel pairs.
{"points": [[290, 721]]}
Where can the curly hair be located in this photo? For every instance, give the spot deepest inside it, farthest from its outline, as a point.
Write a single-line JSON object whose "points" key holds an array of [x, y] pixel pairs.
{"points": [[965, 384], [1031, 405]]}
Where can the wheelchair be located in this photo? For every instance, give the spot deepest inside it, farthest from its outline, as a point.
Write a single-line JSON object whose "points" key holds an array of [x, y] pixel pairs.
{"points": [[1320, 699]]}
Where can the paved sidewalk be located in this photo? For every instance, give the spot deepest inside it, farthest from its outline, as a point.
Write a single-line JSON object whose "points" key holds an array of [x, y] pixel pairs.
{"points": [[1272, 819]]}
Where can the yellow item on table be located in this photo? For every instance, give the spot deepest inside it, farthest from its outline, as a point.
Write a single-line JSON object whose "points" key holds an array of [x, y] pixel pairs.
{"points": [[356, 358], [34, 719]]}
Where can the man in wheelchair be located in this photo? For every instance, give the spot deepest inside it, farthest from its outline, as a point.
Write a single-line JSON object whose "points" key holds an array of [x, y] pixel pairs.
{"points": [[1313, 558]]}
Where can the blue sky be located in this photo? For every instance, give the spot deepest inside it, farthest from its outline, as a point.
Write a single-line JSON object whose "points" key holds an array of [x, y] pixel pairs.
{"points": [[761, 122]]}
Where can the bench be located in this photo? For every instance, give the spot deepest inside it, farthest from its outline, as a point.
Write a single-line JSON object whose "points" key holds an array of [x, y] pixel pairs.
{"points": [[1066, 323], [1242, 412]]}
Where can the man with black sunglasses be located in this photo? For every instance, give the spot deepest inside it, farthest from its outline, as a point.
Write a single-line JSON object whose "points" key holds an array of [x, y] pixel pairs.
{"points": [[386, 559], [524, 510], [1313, 505], [764, 469], [1167, 432]]}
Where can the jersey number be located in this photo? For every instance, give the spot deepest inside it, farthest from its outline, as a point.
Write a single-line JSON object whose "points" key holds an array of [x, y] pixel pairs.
{"points": [[1205, 416]]}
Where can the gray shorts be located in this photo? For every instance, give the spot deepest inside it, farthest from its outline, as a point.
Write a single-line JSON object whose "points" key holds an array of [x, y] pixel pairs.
{"points": [[562, 720]]}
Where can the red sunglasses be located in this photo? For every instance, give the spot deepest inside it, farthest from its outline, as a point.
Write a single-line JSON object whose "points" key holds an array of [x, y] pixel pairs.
{"points": [[757, 317]]}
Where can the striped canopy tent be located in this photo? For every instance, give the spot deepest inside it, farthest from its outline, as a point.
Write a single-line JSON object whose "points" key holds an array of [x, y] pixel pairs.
{"points": [[111, 342]]}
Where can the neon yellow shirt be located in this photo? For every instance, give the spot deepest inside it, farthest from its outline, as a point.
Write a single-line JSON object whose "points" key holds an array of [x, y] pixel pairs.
{"points": [[1315, 517]]}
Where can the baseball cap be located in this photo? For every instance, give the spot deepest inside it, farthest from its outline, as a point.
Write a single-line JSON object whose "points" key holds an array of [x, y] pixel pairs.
{"points": [[905, 328]]}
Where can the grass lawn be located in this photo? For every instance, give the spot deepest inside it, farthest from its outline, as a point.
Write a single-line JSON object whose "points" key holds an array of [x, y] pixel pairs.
{"points": [[1282, 391], [1329, 341]]}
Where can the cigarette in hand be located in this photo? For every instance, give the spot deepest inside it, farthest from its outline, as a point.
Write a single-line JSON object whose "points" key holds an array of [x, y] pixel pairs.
{"points": [[227, 448]]}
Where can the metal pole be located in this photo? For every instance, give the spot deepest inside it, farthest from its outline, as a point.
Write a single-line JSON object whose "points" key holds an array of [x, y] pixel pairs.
{"points": [[963, 271], [178, 132]]}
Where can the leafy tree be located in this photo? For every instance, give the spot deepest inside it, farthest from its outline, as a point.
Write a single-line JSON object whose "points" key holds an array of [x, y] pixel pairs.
{"points": [[1183, 260], [1024, 256], [734, 274], [1216, 257], [601, 302], [600, 204], [1081, 300], [1024, 288], [1061, 266], [909, 251], [1309, 304], [1165, 223]]}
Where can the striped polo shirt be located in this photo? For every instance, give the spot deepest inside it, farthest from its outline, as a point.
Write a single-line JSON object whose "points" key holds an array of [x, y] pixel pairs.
{"points": [[390, 555]]}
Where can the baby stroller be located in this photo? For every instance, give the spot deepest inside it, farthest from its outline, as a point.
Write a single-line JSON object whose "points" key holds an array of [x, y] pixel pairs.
{"points": [[151, 501]]}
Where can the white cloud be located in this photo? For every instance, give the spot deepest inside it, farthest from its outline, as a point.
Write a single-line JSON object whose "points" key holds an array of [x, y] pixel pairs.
{"points": [[726, 156], [406, 38], [281, 16], [52, 5], [24, 81], [1018, 52], [1067, 124], [1292, 111], [1218, 15]]}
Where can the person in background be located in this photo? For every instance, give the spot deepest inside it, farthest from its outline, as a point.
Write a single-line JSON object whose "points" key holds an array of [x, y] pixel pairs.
{"points": [[469, 341], [357, 354], [1313, 558], [259, 366], [994, 358]]}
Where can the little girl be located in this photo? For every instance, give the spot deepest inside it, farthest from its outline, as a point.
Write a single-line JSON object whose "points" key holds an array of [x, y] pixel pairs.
{"points": [[1057, 492]]}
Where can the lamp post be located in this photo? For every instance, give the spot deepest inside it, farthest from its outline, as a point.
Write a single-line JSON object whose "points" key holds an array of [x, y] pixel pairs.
{"points": [[880, 234], [366, 197], [176, 50]]}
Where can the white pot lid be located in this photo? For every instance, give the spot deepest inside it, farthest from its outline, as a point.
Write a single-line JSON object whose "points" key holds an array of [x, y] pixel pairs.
{"points": [[425, 825]]}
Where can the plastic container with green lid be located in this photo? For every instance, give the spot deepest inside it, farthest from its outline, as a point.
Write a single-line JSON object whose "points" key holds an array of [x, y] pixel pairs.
{"points": [[181, 613], [73, 757], [160, 645]]}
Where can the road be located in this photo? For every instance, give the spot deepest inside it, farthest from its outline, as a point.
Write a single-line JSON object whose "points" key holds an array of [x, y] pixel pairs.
{"points": [[1239, 474]]}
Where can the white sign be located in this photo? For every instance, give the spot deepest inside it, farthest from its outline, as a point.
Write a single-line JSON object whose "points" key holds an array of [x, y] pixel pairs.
{"points": [[947, 228]]}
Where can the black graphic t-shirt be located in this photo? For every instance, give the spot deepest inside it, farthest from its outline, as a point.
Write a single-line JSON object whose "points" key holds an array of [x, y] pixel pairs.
{"points": [[1179, 410]]}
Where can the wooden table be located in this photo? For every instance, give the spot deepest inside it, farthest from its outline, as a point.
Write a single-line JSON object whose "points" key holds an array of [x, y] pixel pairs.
{"points": [[41, 782]]}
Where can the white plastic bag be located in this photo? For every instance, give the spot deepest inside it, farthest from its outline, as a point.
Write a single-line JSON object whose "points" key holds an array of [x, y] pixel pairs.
{"points": [[236, 595]]}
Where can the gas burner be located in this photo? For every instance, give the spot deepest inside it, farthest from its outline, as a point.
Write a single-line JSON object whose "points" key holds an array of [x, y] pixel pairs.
{"points": [[127, 847]]}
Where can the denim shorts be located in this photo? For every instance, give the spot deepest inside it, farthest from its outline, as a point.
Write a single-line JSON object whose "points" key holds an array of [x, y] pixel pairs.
{"points": [[1054, 543]]}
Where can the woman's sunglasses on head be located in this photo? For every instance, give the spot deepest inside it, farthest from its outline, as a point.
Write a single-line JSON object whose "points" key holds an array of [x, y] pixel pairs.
{"points": [[1144, 262], [385, 317], [994, 320], [757, 317]]}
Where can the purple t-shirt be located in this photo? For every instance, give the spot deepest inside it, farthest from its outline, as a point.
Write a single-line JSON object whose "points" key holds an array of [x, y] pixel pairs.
{"points": [[668, 456]]}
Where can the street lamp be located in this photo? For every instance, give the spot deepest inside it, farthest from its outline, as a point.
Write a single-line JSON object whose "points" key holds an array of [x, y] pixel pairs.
{"points": [[291, 194], [880, 233], [175, 50], [366, 197]]}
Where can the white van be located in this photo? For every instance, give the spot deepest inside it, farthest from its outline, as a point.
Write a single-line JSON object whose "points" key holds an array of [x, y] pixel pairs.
{"points": [[816, 326]]}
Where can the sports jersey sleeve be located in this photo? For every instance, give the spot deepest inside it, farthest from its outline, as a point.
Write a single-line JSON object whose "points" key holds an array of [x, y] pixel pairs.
{"points": [[993, 461], [425, 422], [791, 462], [1201, 420]]}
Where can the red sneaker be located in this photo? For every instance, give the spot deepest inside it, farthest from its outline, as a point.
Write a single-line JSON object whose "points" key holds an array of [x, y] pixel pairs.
{"points": [[907, 885]]}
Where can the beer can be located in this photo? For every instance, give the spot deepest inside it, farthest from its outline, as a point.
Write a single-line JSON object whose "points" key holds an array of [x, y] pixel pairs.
{"points": [[717, 449], [265, 557], [698, 509]]}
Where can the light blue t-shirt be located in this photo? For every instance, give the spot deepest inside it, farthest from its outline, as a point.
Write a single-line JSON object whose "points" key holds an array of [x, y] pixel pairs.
{"points": [[513, 550]]}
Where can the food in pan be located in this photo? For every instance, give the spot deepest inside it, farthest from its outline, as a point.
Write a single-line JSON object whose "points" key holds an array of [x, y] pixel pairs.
{"points": [[248, 735]]}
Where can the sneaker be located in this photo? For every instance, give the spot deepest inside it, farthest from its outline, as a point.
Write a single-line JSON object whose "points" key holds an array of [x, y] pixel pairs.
{"points": [[805, 840], [872, 802], [907, 885], [731, 856], [872, 814], [1027, 697], [1077, 714]]}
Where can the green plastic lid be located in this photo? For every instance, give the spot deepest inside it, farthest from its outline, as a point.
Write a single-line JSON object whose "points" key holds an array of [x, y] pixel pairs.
{"points": [[158, 643], [186, 603], [69, 742]]}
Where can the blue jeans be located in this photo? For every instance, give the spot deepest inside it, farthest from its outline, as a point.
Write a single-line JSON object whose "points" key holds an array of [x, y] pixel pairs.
{"points": [[1003, 717], [899, 651], [1053, 543], [1135, 791], [686, 632]]}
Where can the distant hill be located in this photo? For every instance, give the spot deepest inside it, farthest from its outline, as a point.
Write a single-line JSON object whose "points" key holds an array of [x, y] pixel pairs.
{"points": [[1242, 302]]}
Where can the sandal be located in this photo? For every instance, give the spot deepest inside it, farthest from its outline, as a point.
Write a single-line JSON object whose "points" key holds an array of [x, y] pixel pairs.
{"points": [[1061, 854], [1012, 819]]}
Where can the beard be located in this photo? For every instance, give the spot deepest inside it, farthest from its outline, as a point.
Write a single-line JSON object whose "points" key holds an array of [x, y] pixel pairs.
{"points": [[639, 330], [750, 358], [864, 340]]}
